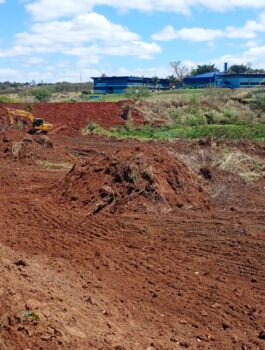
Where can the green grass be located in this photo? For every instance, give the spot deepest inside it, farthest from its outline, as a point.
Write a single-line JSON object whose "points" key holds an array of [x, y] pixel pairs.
{"points": [[7, 99], [164, 95], [114, 97], [255, 132]]}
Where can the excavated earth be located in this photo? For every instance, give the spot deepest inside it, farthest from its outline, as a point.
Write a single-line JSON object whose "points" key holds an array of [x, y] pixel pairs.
{"points": [[122, 245], [70, 118]]}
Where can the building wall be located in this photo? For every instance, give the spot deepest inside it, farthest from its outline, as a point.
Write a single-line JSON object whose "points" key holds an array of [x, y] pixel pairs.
{"points": [[243, 81], [232, 81], [106, 85]]}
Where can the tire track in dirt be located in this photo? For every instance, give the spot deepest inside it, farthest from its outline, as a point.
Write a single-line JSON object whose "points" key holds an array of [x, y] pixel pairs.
{"points": [[128, 281]]}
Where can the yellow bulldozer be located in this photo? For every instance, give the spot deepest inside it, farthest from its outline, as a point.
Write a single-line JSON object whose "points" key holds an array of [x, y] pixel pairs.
{"points": [[26, 120]]}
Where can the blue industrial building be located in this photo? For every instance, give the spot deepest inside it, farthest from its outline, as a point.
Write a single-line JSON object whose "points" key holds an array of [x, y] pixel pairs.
{"points": [[225, 80], [116, 85]]}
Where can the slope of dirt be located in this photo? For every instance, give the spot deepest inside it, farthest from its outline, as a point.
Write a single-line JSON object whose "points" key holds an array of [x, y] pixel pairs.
{"points": [[233, 171], [70, 118], [127, 281], [136, 180], [18, 145]]}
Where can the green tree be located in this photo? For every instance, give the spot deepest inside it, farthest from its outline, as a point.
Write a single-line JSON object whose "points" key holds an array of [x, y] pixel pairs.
{"points": [[239, 69], [42, 94], [204, 68], [242, 68], [172, 80]]}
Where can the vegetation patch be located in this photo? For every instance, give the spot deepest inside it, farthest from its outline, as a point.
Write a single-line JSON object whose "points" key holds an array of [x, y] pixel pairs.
{"points": [[30, 315], [94, 128], [248, 167], [7, 99], [255, 132]]}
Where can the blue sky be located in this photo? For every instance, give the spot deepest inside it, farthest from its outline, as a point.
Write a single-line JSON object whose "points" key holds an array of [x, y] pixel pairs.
{"points": [[55, 40]]}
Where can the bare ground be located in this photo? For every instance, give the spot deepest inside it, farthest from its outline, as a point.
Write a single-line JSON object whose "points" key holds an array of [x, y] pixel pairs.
{"points": [[191, 277]]}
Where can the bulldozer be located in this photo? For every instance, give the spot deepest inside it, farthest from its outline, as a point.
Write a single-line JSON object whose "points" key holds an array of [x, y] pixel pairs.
{"points": [[26, 120]]}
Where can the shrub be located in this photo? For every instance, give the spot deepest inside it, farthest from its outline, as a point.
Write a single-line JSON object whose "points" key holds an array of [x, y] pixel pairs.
{"points": [[214, 117], [231, 115], [258, 102], [94, 128], [195, 119], [42, 94], [7, 99], [176, 116]]}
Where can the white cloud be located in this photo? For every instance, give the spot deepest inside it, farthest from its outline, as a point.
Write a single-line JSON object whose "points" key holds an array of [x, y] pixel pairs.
{"points": [[2, 2], [134, 48], [249, 31], [91, 35], [84, 28], [166, 34], [251, 43], [44, 10], [72, 73], [254, 55], [189, 34], [34, 60], [16, 50]]}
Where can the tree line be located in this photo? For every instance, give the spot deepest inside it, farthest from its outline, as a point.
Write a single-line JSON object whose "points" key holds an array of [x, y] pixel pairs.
{"points": [[181, 71], [8, 87]]}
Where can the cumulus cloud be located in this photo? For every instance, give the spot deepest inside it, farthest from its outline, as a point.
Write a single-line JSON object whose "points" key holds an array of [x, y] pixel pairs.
{"points": [[90, 27], [248, 31], [135, 48], [91, 35], [253, 55], [72, 72], [43, 10], [189, 34]]}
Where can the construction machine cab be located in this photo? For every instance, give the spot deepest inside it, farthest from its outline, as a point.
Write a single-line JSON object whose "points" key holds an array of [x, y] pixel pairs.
{"points": [[37, 122]]}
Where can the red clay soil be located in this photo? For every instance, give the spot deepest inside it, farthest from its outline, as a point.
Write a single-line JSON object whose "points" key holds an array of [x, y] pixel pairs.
{"points": [[126, 280], [70, 118], [16, 144], [140, 179]]}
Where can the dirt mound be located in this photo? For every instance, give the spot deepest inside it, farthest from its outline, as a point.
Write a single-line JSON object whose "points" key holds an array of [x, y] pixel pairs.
{"points": [[132, 180], [70, 118], [18, 145]]}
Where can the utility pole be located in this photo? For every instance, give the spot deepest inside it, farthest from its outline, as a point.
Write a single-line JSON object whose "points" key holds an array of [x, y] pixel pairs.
{"points": [[81, 82]]}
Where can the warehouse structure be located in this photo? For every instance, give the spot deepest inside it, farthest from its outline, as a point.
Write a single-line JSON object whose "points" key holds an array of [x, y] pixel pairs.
{"points": [[116, 85], [225, 80]]}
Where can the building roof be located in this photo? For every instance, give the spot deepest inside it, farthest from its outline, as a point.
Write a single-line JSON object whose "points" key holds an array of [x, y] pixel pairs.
{"points": [[129, 78], [221, 74], [207, 75], [246, 75]]}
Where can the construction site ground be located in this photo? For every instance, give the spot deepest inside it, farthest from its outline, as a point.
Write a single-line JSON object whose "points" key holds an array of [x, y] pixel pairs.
{"points": [[96, 252]]}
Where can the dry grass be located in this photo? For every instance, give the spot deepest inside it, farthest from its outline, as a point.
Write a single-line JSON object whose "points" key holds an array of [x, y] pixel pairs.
{"points": [[249, 168], [213, 107]]}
